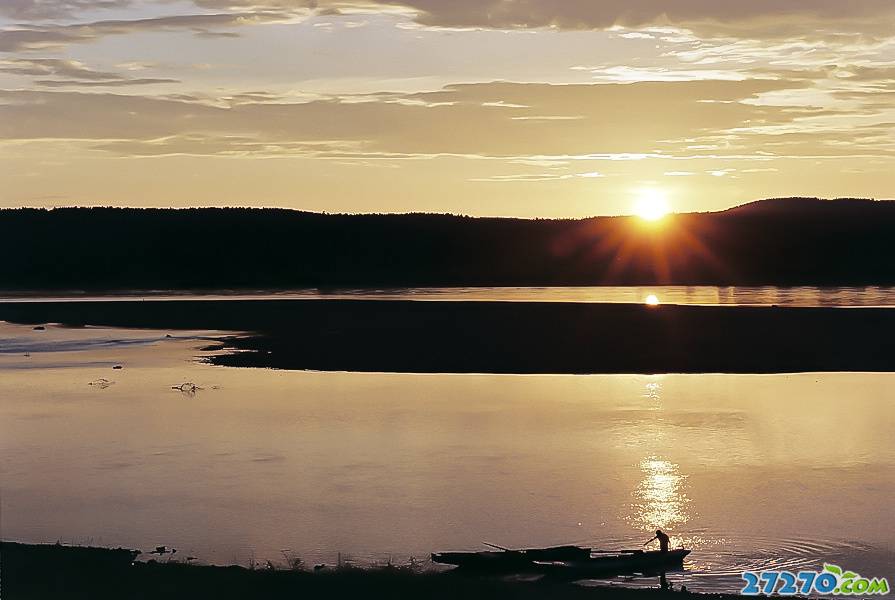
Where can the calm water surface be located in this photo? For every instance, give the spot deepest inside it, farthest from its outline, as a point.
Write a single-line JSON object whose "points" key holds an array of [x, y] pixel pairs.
{"points": [[696, 295], [749, 471]]}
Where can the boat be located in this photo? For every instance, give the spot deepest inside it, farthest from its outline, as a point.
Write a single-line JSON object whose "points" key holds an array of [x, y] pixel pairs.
{"points": [[616, 563], [505, 560], [572, 561], [566, 561]]}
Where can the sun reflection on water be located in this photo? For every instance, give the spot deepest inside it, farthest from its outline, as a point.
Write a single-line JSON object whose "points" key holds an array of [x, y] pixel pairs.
{"points": [[653, 391], [660, 500]]}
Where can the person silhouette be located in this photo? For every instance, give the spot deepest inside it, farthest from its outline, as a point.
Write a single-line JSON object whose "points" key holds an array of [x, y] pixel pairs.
{"points": [[663, 540]]}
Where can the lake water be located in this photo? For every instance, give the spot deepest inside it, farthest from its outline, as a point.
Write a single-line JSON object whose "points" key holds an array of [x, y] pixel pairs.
{"points": [[694, 295], [748, 471]]}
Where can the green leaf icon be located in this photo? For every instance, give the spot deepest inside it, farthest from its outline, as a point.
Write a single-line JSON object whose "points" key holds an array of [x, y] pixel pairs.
{"points": [[833, 569]]}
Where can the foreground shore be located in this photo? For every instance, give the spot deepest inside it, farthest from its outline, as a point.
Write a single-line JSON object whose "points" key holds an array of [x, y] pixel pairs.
{"points": [[506, 337], [35, 572]]}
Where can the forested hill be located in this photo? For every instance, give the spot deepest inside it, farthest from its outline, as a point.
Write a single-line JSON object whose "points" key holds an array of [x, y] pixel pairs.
{"points": [[771, 242]]}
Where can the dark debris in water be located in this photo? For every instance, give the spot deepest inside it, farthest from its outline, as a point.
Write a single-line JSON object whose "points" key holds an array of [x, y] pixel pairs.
{"points": [[187, 387]]}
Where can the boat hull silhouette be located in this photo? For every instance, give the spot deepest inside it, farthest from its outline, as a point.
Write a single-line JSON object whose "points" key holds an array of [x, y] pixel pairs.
{"points": [[566, 560], [509, 561], [653, 562]]}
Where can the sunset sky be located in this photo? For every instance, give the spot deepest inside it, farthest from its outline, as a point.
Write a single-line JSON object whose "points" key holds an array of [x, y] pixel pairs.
{"points": [[483, 107]]}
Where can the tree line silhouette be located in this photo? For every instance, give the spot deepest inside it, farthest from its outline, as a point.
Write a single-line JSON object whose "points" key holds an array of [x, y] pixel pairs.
{"points": [[796, 241]]}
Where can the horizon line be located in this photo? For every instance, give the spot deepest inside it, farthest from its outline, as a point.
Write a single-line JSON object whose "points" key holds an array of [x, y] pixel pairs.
{"points": [[434, 214]]}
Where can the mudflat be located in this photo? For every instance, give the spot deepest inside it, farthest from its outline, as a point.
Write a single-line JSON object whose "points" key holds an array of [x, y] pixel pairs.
{"points": [[505, 337]]}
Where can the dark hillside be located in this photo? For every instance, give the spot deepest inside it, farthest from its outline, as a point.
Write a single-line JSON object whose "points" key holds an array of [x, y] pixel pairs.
{"points": [[773, 242]]}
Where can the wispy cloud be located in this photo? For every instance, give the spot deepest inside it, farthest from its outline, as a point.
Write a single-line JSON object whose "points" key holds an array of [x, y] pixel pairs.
{"points": [[615, 120], [72, 73], [754, 19], [39, 37], [25, 10]]}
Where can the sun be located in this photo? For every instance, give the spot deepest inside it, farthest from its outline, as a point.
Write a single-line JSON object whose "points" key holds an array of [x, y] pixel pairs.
{"points": [[652, 204]]}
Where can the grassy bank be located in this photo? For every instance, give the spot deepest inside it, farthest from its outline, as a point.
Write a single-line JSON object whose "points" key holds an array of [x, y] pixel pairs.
{"points": [[32, 572]]}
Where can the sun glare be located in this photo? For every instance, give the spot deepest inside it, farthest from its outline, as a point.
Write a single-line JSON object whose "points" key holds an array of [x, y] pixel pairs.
{"points": [[652, 300], [651, 204]]}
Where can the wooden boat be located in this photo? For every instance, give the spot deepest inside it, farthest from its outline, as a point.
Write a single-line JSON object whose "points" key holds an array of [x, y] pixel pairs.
{"points": [[510, 561], [572, 561], [620, 563]]}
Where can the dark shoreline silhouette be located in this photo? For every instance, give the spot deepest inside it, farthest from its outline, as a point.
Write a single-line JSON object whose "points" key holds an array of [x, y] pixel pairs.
{"points": [[783, 242], [36, 571], [501, 337]]}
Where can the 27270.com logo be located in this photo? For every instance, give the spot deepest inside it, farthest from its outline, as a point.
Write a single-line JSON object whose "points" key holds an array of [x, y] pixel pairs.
{"points": [[833, 580]]}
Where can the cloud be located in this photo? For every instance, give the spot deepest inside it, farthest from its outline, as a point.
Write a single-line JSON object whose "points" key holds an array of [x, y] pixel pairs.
{"points": [[109, 83], [34, 10], [56, 67], [586, 14], [798, 21], [36, 37], [623, 73], [536, 177], [611, 122], [70, 73], [753, 18]]}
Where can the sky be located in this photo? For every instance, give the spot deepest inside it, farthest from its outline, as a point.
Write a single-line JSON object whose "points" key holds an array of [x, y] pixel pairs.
{"points": [[530, 108]]}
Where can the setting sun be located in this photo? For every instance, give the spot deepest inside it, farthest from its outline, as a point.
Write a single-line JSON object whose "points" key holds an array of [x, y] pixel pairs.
{"points": [[651, 205]]}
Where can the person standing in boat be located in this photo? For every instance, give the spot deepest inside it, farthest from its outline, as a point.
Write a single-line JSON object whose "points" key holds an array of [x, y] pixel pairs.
{"points": [[663, 538]]}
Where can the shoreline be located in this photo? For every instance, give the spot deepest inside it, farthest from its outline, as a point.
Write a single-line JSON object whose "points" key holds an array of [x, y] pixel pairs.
{"points": [[37, 571], [505, 338]]}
